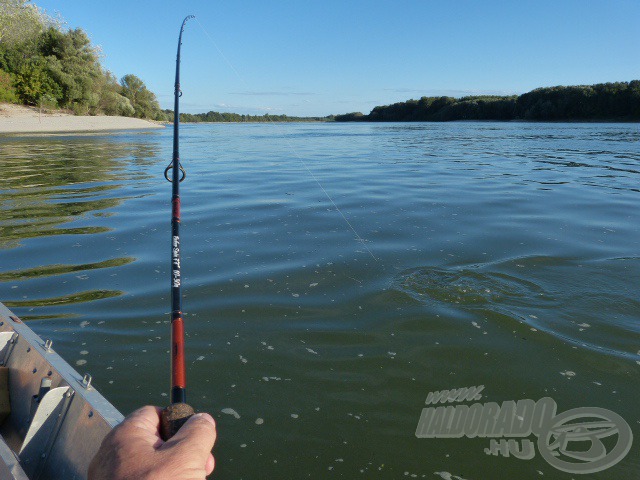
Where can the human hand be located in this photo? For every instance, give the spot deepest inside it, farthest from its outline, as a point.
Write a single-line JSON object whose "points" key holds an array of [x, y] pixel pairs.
{"points": [[134, 450]]}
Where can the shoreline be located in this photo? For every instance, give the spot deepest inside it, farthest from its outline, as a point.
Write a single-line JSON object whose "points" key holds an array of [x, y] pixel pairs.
{"points": [[20, 119], [514, 120]]}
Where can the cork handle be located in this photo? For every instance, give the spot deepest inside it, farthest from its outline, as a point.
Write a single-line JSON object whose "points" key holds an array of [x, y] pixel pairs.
{"points": [[173, 417]]}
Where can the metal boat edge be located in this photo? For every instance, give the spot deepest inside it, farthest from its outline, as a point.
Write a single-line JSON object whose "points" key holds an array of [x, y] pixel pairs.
{"points": [[57, 419]]}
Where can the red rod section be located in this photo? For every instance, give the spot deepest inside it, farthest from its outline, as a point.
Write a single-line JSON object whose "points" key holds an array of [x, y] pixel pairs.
{"points": [[178, 370]]}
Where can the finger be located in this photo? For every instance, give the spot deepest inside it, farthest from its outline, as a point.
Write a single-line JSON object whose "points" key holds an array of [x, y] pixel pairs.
{"points": [[146, 418], [137, 433], [210, 465], [197, 435]]}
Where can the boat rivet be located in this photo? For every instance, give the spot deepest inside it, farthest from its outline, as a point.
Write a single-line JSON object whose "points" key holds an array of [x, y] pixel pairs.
{"points": [[86, 381]]}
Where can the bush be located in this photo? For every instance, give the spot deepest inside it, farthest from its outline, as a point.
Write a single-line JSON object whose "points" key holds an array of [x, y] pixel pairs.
{"points": [[7, 90], [80, 108], [48, 102], [33, 80], [112, 103]]}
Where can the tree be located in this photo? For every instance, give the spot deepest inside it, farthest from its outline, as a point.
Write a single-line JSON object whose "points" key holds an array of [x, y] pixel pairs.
{"points": [[144, 102], [350, 117], [610, 101], [21, 20], [41, 62], [111, 101], [74, 65], [34, 81]]}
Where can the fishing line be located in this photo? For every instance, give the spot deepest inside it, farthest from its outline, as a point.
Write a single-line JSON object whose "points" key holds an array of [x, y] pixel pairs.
{"points": [[224, 57], [292, 148]]}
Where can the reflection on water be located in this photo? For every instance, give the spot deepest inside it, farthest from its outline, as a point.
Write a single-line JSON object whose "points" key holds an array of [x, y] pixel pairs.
{"points": [[79, 297], [55, 189], [49, 270], [12, 233], [506, 256]]}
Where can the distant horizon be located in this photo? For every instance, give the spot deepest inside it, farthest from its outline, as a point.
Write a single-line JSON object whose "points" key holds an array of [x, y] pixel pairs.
{"points": [[433, 93], [331, 57], [442, 93]]}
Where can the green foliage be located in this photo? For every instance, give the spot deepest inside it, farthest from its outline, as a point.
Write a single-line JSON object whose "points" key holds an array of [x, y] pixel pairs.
{"points": [[73, 64], [33, 80], [225, 117], [112, 103], [606, 101], [169, 115], [7, 90], [20, 20], [48, 102], [349, 117], [602, 101], [41, 63], [143, 100]]}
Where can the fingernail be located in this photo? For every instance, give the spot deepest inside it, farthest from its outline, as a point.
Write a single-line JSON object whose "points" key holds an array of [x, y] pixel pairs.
{"points": [[207, 417]]}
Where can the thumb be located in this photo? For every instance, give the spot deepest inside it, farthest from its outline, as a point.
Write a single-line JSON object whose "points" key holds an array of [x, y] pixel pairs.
{"points": [[197, 435]]}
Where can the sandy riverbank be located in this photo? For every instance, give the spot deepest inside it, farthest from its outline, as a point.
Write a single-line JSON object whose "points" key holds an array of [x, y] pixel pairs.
{"points": [[21, 119]]}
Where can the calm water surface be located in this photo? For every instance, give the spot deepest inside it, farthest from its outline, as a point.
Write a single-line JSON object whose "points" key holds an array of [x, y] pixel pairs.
{"points": [[503, 255]]}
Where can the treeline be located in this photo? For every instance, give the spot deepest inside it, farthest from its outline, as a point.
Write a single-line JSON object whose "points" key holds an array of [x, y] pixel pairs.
{"points": [[42, 64], [618, 101], [236, 117]]}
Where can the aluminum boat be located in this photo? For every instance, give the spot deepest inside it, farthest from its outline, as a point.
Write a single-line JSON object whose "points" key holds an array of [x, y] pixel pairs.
{"points": [[52, 419]]}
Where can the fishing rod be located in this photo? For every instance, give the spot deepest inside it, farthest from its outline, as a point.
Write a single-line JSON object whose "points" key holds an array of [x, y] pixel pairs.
{"points": [[178, 412]]}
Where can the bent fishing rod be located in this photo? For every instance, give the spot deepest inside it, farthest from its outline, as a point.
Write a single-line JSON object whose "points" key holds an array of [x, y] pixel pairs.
{"points": [[178, 412]]}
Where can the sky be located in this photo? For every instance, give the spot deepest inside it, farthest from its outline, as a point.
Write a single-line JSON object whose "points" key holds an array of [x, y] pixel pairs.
{"points": [[316, 58]]}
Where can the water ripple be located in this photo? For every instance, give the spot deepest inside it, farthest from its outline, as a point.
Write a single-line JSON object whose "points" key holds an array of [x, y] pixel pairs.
{"points": [[582, 303], [469, 288]]}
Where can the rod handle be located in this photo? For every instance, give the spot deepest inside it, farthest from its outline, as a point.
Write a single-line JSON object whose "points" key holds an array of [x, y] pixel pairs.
{"points": [[173, 417]]}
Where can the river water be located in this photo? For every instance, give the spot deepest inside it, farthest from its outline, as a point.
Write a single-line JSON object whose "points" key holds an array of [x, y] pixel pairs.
{"points": [[334, 275]]}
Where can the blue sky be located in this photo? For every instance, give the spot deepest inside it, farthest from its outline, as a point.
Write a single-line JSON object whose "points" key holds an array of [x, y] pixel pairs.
{"points": [[323, 57]]}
